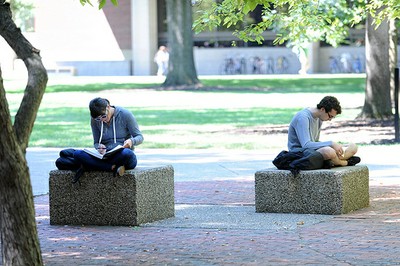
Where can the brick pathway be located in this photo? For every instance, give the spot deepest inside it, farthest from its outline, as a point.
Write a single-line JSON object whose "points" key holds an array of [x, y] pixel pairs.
{"points": [[225, 187], [366, 237]]}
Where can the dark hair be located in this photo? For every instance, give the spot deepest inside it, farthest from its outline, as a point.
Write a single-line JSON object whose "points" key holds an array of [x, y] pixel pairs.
{"points": [[329, 103], [98, 106]]}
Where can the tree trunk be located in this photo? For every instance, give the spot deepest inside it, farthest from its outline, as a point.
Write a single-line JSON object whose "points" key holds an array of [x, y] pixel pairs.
{"points": [[392, 54], [377, 103], [20, 242], [181, 68]]}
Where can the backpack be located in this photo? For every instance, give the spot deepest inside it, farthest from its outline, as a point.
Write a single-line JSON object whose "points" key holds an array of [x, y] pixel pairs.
{"points": [[66, 161], [300, 159]]}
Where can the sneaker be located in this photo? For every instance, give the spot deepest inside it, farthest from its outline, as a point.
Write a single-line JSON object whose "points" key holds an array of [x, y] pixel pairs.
{"points": [[353, 160], [121, 170], [118, 170]]}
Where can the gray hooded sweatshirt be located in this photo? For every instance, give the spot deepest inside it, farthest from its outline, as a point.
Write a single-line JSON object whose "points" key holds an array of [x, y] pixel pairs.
{"points": [[123, 126]]}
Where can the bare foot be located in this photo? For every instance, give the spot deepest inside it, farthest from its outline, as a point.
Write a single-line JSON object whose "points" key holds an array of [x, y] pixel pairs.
{"points": [[350, 151]]}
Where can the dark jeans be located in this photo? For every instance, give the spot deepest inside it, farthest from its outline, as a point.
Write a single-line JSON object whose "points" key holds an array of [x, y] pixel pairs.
{"points": [[124, 157]]}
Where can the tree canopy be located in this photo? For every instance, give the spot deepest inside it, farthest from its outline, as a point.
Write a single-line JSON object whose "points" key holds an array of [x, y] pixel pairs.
{"points": [[296, 21], [301, 22]]}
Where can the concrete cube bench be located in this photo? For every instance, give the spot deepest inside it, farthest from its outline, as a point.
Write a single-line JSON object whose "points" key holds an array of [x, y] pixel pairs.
{"points": [[140, 196], [327, 191]]}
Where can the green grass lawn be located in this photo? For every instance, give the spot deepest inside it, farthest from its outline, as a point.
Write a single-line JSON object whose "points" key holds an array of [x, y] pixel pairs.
{"points": [[293, 85], [53, 128], [261, 85], [209, 118]]}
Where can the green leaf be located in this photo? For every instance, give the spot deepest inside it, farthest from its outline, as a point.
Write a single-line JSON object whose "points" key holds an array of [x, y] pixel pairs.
{"points": [[102, 3], [228, 21], [84, 2], [249, 5]]}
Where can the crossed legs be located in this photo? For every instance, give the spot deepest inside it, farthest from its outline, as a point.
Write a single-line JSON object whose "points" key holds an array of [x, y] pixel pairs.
{"points": [[329, 154]]}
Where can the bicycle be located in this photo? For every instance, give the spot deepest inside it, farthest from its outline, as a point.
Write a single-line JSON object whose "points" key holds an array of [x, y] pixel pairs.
{"points": [[282, 65]]}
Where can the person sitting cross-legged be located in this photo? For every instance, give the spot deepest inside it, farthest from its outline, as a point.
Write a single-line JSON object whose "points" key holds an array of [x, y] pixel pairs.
{"points": [[304, 131], [111, 126]]}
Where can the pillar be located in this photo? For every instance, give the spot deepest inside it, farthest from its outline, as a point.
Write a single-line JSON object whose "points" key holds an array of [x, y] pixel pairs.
{"points": [[144, 36]]}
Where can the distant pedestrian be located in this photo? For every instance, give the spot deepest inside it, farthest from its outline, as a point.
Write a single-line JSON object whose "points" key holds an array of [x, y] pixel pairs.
{"points": [[162, 58]]}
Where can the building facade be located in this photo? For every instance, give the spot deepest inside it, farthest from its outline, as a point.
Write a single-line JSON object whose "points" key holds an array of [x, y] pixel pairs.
{"points": [[121, 41]]}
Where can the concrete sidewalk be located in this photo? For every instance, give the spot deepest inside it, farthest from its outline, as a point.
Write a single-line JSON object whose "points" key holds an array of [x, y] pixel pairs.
{"points": [[216, 223]]}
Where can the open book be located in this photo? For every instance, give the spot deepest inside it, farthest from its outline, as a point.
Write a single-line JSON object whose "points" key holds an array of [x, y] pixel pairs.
{"points": [[97, 154]]}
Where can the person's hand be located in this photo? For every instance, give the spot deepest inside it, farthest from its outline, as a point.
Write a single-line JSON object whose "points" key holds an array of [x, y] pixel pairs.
{"points": [[101, 148], [128, 143], [338, 149]]}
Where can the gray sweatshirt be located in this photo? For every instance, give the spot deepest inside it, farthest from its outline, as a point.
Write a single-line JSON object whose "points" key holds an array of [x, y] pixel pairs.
{"points": [[122, 126], [304, 131]]}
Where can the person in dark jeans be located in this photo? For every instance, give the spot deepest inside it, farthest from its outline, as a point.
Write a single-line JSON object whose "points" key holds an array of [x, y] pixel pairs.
{"points": [[111, 126]]}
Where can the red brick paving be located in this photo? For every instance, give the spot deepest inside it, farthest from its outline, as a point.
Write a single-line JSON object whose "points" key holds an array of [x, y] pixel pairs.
{"points": [[366, 237]]}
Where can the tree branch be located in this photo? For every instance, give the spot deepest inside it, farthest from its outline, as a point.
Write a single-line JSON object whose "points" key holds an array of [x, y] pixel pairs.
{"points": [[37, 75]]}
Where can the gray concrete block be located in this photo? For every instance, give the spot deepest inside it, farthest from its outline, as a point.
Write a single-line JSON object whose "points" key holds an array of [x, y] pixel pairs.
{"points": [[327, 191], [142, 195]]}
